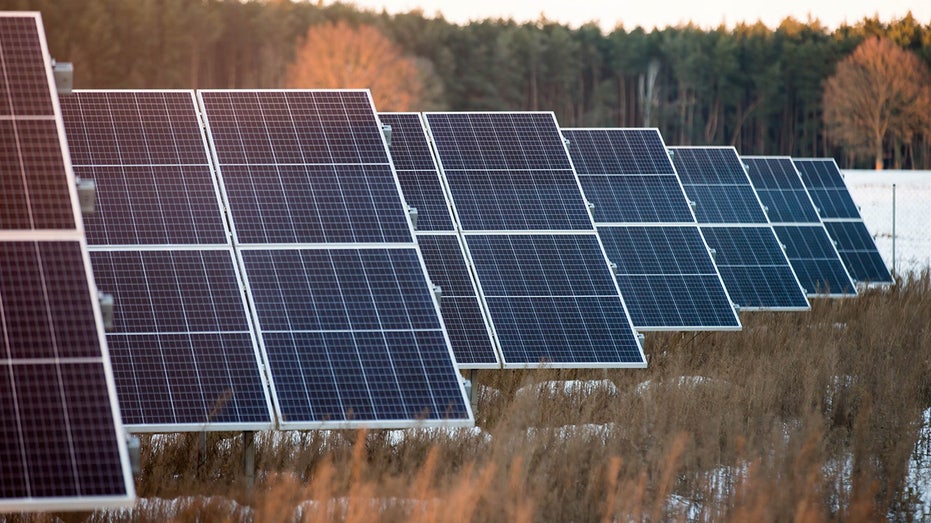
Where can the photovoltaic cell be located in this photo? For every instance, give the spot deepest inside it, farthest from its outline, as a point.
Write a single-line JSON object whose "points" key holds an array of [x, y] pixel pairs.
{"points": [[61, 440], [813, 256], [842, 219], [664, 269], [469, 332], [183, 352], [748, 254], [342, 306], [541, 269]]}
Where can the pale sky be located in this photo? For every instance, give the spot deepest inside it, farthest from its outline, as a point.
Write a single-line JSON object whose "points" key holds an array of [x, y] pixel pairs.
{"points": [[659, 13]]}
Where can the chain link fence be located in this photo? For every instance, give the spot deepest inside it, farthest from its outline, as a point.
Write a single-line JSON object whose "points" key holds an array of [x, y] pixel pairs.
{"points": [[896, 206]]}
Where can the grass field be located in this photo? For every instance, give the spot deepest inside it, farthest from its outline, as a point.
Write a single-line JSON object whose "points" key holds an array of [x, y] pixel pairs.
{"points": [[800, 417]]}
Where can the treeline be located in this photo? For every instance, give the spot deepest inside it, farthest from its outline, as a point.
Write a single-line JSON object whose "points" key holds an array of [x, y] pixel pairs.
{"points": [[757, 88]]}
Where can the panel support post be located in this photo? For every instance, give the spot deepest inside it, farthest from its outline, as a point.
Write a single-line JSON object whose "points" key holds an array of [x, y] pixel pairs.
{"points": [[473, 395], [248, 458]]}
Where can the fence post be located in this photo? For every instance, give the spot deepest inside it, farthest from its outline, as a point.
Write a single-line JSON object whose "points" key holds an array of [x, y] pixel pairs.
{"points": [[893, 231]]}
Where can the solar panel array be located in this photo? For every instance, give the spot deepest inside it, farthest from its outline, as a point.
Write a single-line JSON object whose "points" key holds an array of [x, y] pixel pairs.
{"points": [[183, 351], [541, 268], [440, 244], [790, 209], [664, 269], [349, 327], [842, 219], [751, 260], [61, 440]]}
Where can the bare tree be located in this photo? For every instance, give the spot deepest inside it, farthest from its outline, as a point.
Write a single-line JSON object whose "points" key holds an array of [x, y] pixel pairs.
{"points": [[879, 92], [337, 55]]}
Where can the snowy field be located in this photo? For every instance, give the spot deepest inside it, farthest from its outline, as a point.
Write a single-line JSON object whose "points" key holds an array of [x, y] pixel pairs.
{"points": [[872, 192]]}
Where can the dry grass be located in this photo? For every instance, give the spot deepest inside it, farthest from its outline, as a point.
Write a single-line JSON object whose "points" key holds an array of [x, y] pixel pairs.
{"points": [[800, 417]]}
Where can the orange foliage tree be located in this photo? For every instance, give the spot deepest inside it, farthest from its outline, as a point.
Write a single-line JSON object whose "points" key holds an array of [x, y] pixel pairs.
{"points": [[340, 56], [879, 92]]}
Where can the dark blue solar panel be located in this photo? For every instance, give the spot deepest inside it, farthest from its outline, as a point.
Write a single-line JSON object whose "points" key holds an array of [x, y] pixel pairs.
{"points": [[417, 173], [726, 204], [57, 435], [754, 267], [315, 204], [666, 274], [549, 302], [181, 346], [858, 250], [636, 199], [518, 200], [24, 84], [815, 260], [748, 255], [656, 250], [827, 188], [667, 278], [462, 313], [304, 167], [352, 334], [618, 151], [498, 141], [781, 190], [842, 220], [293, 127], [714, 178], [42, 199], [146, 152], [182, 349], [508, 171], [61, 447]]}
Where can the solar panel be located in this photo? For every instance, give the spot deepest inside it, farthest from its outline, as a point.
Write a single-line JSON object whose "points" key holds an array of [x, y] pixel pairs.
{"points": [[61, 441], [843, 221], [752, 263], [339, 292], [443, 254], [664, 269], [811, 252], [183, 351], [541, 268]]}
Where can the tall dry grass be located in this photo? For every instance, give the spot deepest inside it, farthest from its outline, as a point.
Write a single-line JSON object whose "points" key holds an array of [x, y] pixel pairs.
{"points": [[800, 417]]}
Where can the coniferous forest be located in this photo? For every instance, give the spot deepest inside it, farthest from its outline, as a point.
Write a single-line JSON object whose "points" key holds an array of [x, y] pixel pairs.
{"points": [[758, 88]]}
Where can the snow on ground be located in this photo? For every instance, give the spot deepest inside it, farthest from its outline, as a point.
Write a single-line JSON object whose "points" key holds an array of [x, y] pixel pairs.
{"points": [[872, 192]]}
